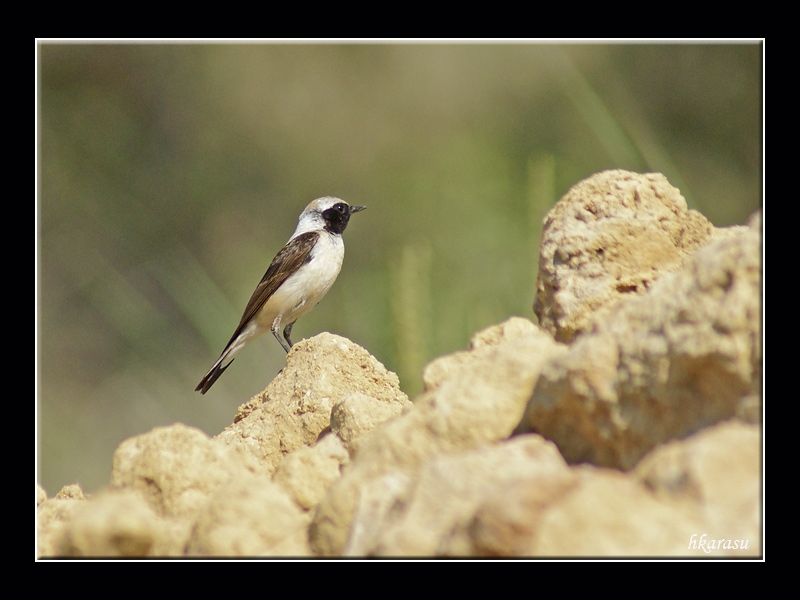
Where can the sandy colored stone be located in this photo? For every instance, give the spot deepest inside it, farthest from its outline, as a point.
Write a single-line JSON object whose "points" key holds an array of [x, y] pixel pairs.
{"points": [[356, 414], [295, 408], [659, 366], [70, 492], [609, 237], [607, 513], [507, 522], [307, 473], [706, 487], [53, 515], [41, 495], [112, 524], [175, 468], [250, 516], [481, 345], [475, 402], [429, 516], [717, 474]]}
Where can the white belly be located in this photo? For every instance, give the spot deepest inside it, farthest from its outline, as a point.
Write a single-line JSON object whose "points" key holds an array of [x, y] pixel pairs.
{"points": [[303, 290]]}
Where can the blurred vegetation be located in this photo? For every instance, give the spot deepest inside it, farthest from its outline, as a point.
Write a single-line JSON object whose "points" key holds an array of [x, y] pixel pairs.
{"points": [[169, 175]]}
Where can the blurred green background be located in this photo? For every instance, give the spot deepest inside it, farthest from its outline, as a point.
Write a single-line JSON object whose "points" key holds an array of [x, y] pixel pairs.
{"points": [[170, 174]]}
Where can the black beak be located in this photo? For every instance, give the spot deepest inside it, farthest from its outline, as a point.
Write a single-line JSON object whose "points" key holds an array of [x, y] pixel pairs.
{"points": [[355, 209]]}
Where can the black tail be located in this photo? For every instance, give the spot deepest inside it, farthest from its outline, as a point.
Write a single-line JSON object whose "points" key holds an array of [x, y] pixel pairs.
{"points": [[211, 377]]}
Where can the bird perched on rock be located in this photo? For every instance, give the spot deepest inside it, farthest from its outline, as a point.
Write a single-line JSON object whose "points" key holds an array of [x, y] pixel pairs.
{"points": [[296, 280]]}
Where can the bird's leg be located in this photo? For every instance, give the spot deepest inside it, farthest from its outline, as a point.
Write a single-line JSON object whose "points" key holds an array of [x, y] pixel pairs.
{"points": [[287, 332], [276, 324]]}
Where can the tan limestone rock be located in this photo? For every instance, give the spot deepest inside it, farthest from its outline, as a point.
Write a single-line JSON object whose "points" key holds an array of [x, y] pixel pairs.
{"points": [[610, 237], [474, 402], [175, 468], [307, 473], [53, 515], [296, 406], [113, 524], [249, 516], [659, 366]]}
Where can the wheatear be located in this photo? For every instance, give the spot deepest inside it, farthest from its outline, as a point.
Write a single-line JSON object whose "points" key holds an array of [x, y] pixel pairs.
{"points": [[299, 276]]}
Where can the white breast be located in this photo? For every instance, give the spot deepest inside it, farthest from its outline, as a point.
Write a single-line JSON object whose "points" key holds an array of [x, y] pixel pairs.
{"points": [[304, 289]]}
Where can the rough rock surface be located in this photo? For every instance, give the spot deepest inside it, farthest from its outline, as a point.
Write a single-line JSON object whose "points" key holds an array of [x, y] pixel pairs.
{"points": [[249, 516], [308, 472], [53, 515], [175, 468], [247, 492], [295, 408], [478, 399], [115, 523], [715, 473], [657, 394], [685, 355], [610, 236], [707, 485], [429, 515]]}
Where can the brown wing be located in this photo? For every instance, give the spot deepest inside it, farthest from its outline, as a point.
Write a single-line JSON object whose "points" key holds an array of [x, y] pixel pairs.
{"points": [[291, 256]]}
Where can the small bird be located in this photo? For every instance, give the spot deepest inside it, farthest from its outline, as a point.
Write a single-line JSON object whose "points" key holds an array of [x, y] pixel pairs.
{"points": [[296, 280]]}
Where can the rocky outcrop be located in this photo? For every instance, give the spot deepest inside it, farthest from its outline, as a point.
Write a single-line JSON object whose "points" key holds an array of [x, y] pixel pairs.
{"points": [[247, 492], [295, 408], [660, 365], [609, 237], [626, 424]]}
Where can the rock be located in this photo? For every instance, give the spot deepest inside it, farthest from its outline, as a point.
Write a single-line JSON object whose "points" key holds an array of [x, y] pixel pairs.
{"points": [[307, 473], [296, 406], [249, 516], [662, 365], [476, 400], [507, 522], [481, 344], [70, 492], [357, 414], [609, 237], [53, 515], [112, 524], [428, 515], [682, 496], [717, 474], [175, 469], [41, 495], [606, 513]]}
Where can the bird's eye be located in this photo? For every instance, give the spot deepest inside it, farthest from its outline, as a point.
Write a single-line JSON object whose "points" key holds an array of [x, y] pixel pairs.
{"points": [[340, 208]]}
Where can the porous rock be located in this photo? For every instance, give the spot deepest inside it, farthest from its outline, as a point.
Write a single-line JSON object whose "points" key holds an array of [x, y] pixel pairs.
{"points": [[295, 408], [481, 345], [357, 414], [249, 516], [429, 515], [704, 487], [175, 468], [307, 473], [606, 513], [609, 237], [115, 523], [660, 366], [476, 400], [53, 515], [717, 474]]}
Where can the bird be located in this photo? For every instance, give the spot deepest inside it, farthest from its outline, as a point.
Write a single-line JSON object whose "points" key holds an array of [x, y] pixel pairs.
{"points": [[296, 280]]}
